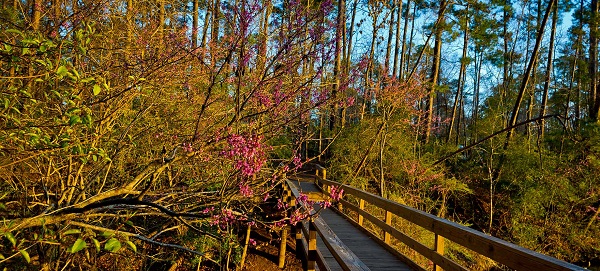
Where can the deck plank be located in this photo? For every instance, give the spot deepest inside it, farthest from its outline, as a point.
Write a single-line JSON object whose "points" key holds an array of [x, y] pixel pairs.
{"points": [[368, 250]]}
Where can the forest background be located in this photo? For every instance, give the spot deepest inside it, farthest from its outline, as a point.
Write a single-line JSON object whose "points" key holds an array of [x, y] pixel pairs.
{"points": [[167, 125]]}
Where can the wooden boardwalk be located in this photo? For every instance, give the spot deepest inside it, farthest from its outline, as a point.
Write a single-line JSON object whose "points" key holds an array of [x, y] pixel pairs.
{"points": [[331, 242], [374, 256]]}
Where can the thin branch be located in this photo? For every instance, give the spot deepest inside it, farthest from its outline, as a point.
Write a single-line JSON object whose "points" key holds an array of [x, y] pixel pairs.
{"points": [[490, 136]]}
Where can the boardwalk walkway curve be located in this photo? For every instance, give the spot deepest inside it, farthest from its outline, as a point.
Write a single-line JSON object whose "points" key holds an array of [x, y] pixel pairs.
{"points": [[334, 241]]}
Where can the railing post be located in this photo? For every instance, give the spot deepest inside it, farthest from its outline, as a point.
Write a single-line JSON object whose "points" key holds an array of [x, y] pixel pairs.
{"points": [[324, 173], [282, 246], [291, 201], [299, 246], [388, 220], [438, 246], [361, 206], [312, 246]]}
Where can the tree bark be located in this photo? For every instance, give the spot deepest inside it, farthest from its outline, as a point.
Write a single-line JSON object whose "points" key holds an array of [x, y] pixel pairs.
{"points": [[527, 75], [207, 16], [388, 50], [593, 62], [194, 24], [461, 75], [216, 17], [341, 21], [548, 70], [161, 22], [350, 36], [264, 37], [397, 45], [435, 69], [36, 13]]}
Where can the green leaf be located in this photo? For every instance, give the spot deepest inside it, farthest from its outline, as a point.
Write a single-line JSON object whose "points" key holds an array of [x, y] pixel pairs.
{"points": [[106, 234], [96, 244], [62, 71], [72, 231], [25, 255], [131, 245], [112, 245], [87, 80], [74, 120], [87, 119], [11, 238], [96, 90], [14, 31], [77, 246], [2, 257]]}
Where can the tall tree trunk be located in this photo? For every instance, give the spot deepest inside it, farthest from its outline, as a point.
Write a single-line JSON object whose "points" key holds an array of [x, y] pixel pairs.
{"points": [[593, 61], [404, 31], [522, 89], [36, 14], [461, 74], [264, 37], [507, 52], [350, 36], [130, 25], [207, 16], [410, 42], [477, 87], [548, 70], [388, 50], [527, 75], [341, 21], [57, 13], [216, 17], [435, 69], [161, 23], [574, 69], [367, 90], [195, 24], [397, 45]]}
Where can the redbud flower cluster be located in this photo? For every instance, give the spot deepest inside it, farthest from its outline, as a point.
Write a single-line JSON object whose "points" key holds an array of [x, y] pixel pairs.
{"points": [[248, 153]]}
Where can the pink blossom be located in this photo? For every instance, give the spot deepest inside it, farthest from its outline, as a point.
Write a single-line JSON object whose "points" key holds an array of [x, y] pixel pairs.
{"points": [[223, 219], [350, 101], [297, 162], [248, 153], [325, 204], [336, 193], [297, 216], [208, 210], [187, 147], [303, 198], [245, 190], [281, 205]]}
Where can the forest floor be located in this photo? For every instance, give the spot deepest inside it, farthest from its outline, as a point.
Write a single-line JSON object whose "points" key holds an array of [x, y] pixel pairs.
{"points": [[265, 255]]}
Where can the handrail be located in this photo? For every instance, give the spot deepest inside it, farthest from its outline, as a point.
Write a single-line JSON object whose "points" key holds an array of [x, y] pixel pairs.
{"points": [[508, 254], [304, 235]]}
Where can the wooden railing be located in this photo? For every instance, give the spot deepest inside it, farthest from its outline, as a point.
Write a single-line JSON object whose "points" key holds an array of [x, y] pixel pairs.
{"points": [[505, 253], [305, 234]]}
